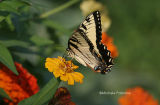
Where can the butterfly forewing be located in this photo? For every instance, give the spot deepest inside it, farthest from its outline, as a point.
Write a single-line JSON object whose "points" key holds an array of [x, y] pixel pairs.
{"points": [[91, 26], [82, 49]]}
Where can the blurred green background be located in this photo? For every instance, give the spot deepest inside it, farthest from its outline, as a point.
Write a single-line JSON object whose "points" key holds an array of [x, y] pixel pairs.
{"points": [[135, 28]]}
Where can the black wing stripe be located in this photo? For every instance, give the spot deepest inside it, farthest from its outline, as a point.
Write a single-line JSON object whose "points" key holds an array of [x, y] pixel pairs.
{"points": [[97, 19], [74, 40], [72, 44], [91, 47], [82, 33], [102, 49], [76, 47], [84, 26]]}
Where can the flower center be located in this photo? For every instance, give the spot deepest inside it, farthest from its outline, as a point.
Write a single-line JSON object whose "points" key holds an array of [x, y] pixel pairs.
{"points": [[66, 67]]}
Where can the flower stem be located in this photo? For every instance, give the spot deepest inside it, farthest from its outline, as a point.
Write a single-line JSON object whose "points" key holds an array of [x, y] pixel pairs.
{"points": [[60, 8]]}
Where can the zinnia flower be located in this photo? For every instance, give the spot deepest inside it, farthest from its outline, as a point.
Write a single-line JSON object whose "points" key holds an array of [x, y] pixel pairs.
{"points": [[137, 96], [61, 97], [88, 6], [108, 41], [64, 69], [18, 87]]}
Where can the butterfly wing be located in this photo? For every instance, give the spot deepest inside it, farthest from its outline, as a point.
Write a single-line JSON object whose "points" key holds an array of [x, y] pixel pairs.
{"points": [[85, 44], [91, 26], [80, 48]]}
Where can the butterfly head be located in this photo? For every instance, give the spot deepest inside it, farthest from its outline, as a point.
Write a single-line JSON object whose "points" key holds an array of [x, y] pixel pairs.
{"points": [[102, 69]]}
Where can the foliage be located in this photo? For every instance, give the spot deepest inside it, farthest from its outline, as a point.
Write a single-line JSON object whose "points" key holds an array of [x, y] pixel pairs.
{"points": [[43, 95]]}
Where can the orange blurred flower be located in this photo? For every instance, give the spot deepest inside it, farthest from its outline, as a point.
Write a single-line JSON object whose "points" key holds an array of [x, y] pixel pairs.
{"points": [[138, 96], [61, 97], [108, 41], [18, 87]]}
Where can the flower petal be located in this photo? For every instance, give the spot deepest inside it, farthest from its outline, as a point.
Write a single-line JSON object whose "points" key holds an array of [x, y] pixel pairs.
{"points": [[79, 74], [18, 87], [64, 77], [137, 96], [74, 67], [78, 77], [56, 74], [70, 79], [51, 64]]}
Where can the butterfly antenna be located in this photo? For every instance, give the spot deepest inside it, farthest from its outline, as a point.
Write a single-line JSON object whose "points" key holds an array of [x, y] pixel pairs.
{"points": [[64, 55]]}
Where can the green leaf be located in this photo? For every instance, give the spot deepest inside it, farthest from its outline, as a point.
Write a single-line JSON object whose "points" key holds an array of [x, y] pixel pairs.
{"points": [[40, 41], [25, 2], [44, 95], [2, 18], [4, 94], [9, 22], [6, 58], [6, 7], [12, 6], [11, 43]]}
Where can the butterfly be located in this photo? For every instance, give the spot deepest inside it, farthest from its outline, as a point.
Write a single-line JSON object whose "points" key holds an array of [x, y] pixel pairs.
{"points": [[86, 47]]}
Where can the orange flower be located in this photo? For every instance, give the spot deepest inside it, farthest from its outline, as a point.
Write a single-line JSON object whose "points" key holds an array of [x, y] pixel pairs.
{"points": [[108, 41], [61, 97], [17, 87], [137, 96]]}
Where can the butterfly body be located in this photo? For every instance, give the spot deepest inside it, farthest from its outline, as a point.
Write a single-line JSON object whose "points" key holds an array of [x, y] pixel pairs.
{"points": [[86, 47]]}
